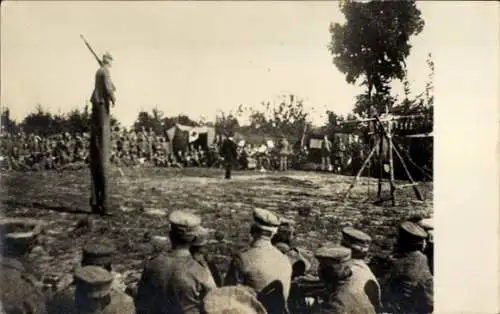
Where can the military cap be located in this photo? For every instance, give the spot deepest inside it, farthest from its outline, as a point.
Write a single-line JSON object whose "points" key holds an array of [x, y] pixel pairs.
{"points": [[333, 255], [98, 253], [355, 239], [184, 220], [107, 56], [93, 281], [265, 219], [201, 236], [18, 234], [184, 224], [232, 299], [412, 231], [426, 224]]}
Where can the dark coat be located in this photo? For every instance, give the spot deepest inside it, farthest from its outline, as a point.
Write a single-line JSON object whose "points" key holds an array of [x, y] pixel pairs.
{"points": [[20, 292], [173, 282], [229, 150], [409, 286], [346, 300]]}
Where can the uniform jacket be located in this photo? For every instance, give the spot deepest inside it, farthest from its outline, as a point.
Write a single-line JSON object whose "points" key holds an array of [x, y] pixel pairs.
{"points": [[173, 282], [260, 267], [326, 147], [104, 90], [364, 281], [346, 300], [229, 150], [63, 300], [284, 147], [409, 286], [120, 303], [19, 292]]}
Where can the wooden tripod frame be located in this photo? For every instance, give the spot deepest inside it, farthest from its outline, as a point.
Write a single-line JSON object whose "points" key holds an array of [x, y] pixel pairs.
{"points": [[387, 134]]}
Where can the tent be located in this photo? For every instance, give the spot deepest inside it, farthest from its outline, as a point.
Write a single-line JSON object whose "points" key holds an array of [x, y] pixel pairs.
{"points": [[182, 136]]}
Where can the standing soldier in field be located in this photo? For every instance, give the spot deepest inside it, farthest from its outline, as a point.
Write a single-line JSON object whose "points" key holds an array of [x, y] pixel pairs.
{"points": [[326, 152], [284, 148], [102, 97], [230, 154]]}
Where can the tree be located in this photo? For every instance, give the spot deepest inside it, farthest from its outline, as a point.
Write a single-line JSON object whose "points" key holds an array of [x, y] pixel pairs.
{"points": [[226, 122], [287, 118], [373, 45], [39, 122], [429, 86], [7, 123], [154, 121], [169, 122]]}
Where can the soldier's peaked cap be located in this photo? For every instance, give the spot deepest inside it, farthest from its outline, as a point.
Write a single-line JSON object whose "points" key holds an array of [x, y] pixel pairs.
{"points": [[232, 299], [355, 239], [265, 219], [93, 281], [410, 229], [426, 224], [98, 253], [107, 56], [184, 220], [333, 255]]}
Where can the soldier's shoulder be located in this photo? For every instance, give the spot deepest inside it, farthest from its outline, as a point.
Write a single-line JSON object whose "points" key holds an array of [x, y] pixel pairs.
{"points": [[157, 262], [121, 303], [102, 71]]}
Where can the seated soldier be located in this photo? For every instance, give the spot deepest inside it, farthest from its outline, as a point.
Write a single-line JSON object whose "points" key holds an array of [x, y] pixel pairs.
{"points": [[94, 293], [342, 296], [198, 250], [408, 287], [283, 240], [363, 278], [20, 292]]}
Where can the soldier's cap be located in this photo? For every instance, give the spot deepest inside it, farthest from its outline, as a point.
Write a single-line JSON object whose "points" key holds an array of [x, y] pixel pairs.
{"points": [[201, 236], [232, 299], [184, 224], [286, 225], [107, 56], [93, 281], [355, 239], [17, 235], [265, 220], [333, 255], [98, 253], [411, 230], [426, 224]]}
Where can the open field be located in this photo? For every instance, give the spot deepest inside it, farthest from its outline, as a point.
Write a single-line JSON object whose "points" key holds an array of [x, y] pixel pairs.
{"points": [[143, 196]]}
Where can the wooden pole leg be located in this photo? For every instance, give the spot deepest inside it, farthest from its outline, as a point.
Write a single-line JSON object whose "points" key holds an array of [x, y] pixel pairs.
{"points": [[418, 194], [360, 171]]}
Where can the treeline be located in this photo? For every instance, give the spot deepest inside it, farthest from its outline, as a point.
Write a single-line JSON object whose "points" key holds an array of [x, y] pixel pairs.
{"points": [[286, 118]]}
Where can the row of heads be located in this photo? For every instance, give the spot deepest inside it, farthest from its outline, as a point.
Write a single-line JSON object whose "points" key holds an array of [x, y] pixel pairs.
{"points": [[188, 226]]}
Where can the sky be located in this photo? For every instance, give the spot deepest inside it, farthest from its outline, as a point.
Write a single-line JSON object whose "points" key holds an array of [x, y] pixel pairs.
{"points": [[193, 58]]}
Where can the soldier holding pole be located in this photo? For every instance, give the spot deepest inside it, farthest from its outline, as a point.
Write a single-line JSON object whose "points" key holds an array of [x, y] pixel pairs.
{"points": [[102, 97]]}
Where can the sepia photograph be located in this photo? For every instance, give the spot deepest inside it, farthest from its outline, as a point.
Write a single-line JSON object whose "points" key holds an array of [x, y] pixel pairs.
{"points": [[221, 157]]}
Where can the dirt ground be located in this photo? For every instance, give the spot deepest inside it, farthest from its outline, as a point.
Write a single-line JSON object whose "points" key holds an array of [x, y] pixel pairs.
{"points": [[142, 198]]}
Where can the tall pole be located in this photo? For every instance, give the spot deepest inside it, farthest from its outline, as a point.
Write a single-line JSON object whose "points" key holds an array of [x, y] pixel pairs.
{"points": [[391, 161], [380, 166]]}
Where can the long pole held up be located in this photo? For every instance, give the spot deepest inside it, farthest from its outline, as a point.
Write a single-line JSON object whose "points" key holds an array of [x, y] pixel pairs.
{"points": [[91, 50]]}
